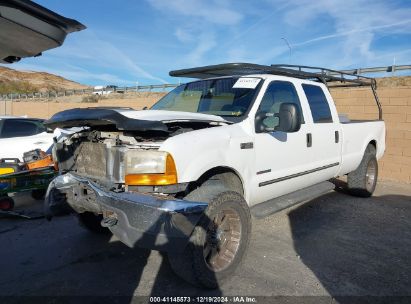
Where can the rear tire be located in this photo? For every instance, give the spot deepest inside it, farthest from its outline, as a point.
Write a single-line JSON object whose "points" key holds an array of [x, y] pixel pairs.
{"points": [[218, 244], [6, 203], [363, 180], [92, 222]]}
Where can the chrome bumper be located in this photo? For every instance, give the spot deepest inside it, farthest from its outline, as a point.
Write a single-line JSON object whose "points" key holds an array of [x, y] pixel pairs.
{"points": [[136, 219]]}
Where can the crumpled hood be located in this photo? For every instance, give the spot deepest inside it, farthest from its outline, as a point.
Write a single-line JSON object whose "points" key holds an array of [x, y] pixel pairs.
{"points": [[166, 116], [123, 119], [102, 118]]}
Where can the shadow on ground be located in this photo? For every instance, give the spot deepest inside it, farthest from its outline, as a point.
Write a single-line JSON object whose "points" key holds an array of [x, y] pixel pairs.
{"points": [[335, 245], [77, 263], [356, 246]]}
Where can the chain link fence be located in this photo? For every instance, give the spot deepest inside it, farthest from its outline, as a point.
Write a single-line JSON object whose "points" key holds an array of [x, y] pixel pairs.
{"points": [[88, 91], [392, 69]]}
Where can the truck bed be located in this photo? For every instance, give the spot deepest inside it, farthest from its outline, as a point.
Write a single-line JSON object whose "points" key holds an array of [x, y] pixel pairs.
{"points": [[355, 139]]}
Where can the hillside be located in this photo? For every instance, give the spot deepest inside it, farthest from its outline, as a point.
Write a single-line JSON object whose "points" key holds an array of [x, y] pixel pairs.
{"points": [[13, 81]]}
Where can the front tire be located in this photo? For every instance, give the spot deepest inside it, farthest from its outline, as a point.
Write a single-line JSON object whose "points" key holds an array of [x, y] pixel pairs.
{"points": [[363, 180], [218, 244], [38, 194]]}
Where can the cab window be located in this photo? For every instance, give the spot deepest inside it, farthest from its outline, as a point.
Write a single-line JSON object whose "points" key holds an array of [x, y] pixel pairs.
{"points": [[277, 93]]}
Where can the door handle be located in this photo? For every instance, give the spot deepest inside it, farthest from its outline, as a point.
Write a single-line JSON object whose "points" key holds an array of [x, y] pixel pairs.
{"points": [[337, 137], [309, 140]]}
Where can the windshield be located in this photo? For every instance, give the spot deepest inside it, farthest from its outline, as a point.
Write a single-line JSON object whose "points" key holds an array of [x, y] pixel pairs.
{"points": [[227, 97]]}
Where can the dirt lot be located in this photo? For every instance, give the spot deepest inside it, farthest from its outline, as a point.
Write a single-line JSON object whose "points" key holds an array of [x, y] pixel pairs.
{"points": [[336, 245]]}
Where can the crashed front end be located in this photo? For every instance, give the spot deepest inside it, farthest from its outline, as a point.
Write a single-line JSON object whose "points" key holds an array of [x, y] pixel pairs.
{"points": [[112, 167]]}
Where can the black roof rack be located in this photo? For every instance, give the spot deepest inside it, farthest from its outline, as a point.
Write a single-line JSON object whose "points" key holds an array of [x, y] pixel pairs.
{"points": [[331, 78], [297, 71]]}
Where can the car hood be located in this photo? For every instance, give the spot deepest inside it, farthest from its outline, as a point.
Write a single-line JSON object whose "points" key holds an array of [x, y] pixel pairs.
{"points": [[169, 116], [125, 119], [28, 29]]}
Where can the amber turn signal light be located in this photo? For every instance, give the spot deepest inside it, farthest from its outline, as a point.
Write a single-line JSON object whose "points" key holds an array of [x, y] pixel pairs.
{"points": [[169, 177]]}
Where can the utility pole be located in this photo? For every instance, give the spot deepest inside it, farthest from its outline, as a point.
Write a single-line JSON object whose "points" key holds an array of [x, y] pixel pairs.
{"points": [[393, 68], [289, 47]]}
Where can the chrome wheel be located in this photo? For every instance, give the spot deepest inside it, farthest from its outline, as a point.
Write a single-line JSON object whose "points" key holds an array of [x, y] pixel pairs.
{"points": [[222, 240], [370, 175], [219, 241]]}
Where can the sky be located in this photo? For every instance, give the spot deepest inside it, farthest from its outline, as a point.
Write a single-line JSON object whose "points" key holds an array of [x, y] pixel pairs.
{"points": [[138, 42]]}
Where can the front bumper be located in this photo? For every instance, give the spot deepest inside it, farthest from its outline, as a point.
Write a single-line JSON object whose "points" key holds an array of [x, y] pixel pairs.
{"points": [[136, 219]]}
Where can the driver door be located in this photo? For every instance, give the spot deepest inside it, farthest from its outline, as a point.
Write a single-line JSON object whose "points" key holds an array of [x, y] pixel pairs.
{"points": [[280, 156]]}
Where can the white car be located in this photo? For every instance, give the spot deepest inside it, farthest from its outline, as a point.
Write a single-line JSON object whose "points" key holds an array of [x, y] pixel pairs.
{"points": [[185, 176], [19, 135]]}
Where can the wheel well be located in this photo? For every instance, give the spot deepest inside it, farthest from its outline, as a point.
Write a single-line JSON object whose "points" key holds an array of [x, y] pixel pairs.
{"points": [[372, 143], [228, 177]]}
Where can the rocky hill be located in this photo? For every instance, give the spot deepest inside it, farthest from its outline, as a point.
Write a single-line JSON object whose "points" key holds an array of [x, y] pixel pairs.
{"points": [[13, 81]]}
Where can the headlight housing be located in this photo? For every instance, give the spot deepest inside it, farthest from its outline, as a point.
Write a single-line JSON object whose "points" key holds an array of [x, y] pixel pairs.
{"points": [[149, 168]]}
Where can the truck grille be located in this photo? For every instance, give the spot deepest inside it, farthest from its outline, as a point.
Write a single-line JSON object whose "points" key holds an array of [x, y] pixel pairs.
{"points": [[98, 161], [91, 160]]}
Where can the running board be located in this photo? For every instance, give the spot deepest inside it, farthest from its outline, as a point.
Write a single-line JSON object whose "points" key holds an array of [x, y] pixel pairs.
{"points": [[277, 204]]}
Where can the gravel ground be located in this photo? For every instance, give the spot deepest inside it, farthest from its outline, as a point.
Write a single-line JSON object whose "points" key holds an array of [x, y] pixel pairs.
{"points": [[335, 245]]}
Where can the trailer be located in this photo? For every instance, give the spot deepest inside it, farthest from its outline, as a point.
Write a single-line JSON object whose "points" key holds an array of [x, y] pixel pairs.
{"points": [[33, 175]]}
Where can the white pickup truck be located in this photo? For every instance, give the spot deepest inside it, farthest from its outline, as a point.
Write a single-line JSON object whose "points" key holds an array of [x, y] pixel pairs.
{"points": [[186, 176]]}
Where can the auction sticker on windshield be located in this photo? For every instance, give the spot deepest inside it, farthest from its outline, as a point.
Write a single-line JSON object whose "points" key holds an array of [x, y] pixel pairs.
{"points": [[246, 83]]}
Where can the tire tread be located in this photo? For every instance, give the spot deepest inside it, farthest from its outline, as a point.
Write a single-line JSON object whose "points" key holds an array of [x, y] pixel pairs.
{"points": [[356, 180]]}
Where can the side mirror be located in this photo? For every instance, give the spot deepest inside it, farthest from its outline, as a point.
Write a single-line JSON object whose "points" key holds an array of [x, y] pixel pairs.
{"points": [[289, 118]]}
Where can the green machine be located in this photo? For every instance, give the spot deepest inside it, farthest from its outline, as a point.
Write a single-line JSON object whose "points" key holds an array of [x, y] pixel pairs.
{"points": [[35, 180]]}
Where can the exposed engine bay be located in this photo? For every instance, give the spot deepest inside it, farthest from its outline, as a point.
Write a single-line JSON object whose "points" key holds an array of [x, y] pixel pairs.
{"points": [[101, 155]]}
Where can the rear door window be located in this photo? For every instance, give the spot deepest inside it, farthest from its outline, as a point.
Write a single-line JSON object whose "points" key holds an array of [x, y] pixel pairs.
{"points": [[19, 128], [318, 102]]}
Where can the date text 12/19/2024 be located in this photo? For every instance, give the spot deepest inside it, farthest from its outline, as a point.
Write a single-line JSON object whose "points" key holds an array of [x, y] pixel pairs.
{"points": [[234, 299]]}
